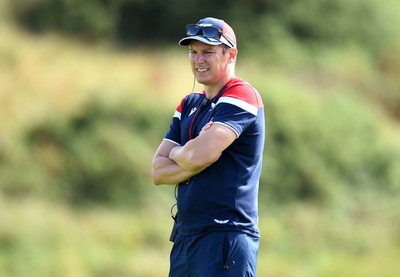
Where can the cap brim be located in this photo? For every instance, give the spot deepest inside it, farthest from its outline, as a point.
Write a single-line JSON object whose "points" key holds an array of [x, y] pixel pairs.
{"points": [[211, 41]]}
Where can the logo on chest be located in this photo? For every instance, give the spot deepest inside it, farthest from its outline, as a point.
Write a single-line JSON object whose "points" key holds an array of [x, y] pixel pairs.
{"points": [[192, 111]]}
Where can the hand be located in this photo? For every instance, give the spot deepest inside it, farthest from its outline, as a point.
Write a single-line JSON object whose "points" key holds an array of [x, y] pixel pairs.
{"points": [[206, 127]]}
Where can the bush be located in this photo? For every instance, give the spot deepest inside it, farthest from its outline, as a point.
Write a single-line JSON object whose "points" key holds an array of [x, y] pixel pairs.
{"points": [[91, 18], [318, 149], [96, 156]]}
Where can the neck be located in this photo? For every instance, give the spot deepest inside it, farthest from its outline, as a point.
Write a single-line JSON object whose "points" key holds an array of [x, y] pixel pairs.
{"points": [[212, 90]]}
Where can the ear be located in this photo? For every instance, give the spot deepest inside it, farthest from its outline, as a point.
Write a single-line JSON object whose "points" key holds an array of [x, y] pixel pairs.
{"points": [[232, 55]]}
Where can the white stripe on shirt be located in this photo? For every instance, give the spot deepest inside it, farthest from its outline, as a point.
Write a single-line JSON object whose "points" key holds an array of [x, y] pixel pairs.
{"points": [[177, 114], [239, 103]]}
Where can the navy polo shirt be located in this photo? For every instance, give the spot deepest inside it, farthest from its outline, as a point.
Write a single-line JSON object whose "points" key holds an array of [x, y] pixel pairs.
{"points": [[224, 196]]}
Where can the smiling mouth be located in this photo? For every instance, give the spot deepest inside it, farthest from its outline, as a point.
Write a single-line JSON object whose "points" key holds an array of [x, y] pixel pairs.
{"points": [[201, 69]]}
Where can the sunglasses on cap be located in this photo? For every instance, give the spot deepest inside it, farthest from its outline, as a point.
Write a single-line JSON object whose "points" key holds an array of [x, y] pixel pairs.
{"points": [[207, 31]]}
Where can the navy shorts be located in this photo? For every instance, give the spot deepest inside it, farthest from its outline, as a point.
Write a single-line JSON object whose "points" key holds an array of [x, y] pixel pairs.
{"points": [[214, 254]]}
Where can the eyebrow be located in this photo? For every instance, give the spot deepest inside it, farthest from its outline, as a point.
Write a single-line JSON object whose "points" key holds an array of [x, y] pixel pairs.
{"points": [[204, 49]]}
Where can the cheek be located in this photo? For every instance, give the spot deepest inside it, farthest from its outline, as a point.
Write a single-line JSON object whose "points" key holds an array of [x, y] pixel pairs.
{"points": [[223, 64], [192, 65]]}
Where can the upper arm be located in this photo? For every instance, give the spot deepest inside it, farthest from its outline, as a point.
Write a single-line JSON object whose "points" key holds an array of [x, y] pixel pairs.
{"points": [[217, 138]]}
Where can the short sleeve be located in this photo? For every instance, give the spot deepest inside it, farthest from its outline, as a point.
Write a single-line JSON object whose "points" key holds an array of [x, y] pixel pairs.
{"points": [[238, 107], [174, 132]]}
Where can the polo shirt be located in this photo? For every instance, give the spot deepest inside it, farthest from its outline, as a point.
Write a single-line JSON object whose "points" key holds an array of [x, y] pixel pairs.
{"points": [[224, 196]]}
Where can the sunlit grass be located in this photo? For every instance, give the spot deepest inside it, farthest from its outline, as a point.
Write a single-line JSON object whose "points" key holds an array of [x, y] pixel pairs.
{"points": [[40, 238], [349, 239]]}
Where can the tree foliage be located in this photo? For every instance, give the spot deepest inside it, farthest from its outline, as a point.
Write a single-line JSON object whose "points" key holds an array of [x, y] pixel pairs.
{"points": [[137, 22]]}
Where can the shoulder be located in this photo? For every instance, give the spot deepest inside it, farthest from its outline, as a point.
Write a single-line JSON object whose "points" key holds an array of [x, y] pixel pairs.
{"points": [[243, 95], [188, 99], [243, 91]]}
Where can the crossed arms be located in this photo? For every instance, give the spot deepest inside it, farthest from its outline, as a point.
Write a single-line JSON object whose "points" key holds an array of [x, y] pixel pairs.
{"points": [[173, 164]]}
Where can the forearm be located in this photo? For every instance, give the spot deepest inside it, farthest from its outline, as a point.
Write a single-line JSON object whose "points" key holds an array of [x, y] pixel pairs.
{"points": [[174, 164], [194, 155], [166, 171]]}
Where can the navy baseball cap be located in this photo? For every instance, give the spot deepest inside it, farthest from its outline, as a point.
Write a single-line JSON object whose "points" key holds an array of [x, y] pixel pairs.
{"points": [[211, 31]]}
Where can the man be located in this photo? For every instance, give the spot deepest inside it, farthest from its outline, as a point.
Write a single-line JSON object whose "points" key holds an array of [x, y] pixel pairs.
{"points": [[213, 151]]}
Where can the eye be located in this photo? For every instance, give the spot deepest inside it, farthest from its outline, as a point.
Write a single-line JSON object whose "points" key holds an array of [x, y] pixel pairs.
{"points": [[192, 54]]}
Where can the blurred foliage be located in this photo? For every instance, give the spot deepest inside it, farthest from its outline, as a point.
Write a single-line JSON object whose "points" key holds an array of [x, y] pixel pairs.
{"points": [[81, 121], [318, 147], [94, 156], [286, 32], [260, 22]]}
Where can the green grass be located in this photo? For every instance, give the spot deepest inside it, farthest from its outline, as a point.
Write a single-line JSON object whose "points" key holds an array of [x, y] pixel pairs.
{"points": [[40, 238], [356, 238]]}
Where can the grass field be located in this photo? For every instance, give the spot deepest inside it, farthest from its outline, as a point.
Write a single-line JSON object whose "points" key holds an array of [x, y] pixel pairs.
{"points": [[39, 238]]}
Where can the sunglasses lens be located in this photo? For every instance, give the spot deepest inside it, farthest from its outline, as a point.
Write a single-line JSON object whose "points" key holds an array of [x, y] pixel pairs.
{"points": [[211, 32], [192, 30], [208, 31]]}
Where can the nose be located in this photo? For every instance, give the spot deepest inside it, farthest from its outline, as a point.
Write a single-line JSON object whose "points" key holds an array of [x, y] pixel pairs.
{"points": [[199, 58]]}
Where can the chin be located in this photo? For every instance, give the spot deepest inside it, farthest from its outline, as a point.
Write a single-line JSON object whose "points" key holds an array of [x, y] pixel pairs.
{"points": [[202, 80], [199, 80]]}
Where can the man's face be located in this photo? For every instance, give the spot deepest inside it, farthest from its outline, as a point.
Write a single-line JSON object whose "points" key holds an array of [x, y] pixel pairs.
{"points": [[210, 63]]}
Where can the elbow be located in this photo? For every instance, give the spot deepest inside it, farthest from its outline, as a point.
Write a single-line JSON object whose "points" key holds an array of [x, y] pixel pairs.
{"points": [[157, 182], [155, 177]]}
